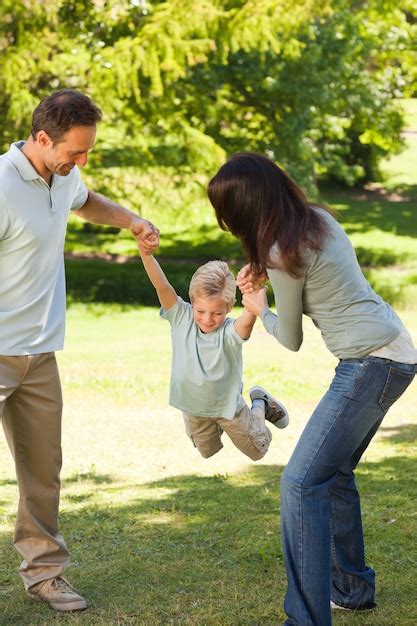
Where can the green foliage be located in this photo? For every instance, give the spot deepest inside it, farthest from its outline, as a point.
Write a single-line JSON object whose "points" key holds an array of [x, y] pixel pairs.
{"points": [[93, 281], [311, 84]]}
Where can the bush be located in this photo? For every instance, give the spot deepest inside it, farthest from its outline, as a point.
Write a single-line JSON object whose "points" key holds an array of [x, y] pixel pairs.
{"points": [[127, 283]]}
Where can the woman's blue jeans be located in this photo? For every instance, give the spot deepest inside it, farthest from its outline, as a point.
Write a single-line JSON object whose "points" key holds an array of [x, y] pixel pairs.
{"points": [[320, 509]]}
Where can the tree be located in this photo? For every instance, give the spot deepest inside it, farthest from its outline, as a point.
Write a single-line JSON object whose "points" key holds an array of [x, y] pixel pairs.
{"points": [[310, 83]]}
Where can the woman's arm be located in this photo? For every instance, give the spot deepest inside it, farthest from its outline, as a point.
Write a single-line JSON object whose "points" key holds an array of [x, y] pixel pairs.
{"points": [[286, 326]]}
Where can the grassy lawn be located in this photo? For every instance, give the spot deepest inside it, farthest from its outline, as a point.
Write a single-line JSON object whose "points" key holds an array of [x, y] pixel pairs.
{"points": [[410, 109], [160, 536]]}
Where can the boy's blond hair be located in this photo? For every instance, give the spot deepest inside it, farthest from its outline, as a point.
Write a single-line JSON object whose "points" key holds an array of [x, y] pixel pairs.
{"points": [[211, 280]]}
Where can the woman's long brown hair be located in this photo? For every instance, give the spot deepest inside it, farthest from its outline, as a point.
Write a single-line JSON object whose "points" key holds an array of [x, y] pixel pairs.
{"points": [[261, 205]]}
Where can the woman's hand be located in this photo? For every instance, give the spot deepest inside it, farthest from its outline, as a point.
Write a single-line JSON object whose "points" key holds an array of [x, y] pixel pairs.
{"points": [[248, 282], [255, 301]]}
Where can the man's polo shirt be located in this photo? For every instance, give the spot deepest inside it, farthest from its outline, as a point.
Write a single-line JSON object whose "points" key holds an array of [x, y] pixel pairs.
{"points": [[33, 221]]}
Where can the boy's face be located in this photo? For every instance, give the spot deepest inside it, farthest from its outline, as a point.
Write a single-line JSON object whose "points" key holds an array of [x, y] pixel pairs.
{"points": [[209, 313]]}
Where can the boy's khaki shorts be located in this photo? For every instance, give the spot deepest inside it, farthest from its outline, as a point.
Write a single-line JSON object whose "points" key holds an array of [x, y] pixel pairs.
{"points": [[247, 430]]}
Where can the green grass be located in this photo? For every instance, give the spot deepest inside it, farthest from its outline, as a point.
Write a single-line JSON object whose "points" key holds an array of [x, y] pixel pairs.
{"points": [[160, 536], [399, 171], [409, 106], [383, 232], [185, 234], [190, 233]]}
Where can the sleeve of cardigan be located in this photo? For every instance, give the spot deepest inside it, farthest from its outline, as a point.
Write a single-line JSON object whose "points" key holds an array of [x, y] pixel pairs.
{"points": [[287, 325]]}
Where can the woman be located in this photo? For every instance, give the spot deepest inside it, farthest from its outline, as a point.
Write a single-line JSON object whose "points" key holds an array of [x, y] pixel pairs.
{"points": [[313, 270]]}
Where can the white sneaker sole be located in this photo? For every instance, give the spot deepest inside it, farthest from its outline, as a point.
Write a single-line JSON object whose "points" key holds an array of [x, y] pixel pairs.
{"points": [[337, 607]]}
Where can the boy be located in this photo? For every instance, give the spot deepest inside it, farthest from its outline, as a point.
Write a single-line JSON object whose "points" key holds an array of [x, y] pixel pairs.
{"points": [[206, 374]]}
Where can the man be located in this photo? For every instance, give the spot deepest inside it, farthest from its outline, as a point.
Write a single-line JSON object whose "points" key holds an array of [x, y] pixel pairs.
{"points": [[39, 185]]}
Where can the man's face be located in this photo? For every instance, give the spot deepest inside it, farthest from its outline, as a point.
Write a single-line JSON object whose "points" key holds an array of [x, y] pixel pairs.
{"points": [[72, 149]]}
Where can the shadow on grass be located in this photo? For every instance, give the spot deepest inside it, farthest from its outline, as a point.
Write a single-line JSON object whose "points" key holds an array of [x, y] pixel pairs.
{"points": [[203, 242], [196, 550], [406, 433], [90, 476]]}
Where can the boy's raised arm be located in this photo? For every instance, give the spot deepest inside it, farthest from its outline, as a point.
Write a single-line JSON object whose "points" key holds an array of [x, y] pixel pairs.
{"points": [[253, 304], [244, 324], [165, 291]]}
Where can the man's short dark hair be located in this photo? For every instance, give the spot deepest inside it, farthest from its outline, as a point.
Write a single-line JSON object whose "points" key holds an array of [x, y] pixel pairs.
{"points": [[58, 113]]}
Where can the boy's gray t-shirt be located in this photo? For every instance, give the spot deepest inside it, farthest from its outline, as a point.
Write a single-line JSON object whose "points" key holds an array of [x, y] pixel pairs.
{"points": [[206, 372]]}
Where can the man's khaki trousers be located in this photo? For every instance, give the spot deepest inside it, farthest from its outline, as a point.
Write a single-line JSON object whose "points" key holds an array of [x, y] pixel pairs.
{"points": [[31, 409]]}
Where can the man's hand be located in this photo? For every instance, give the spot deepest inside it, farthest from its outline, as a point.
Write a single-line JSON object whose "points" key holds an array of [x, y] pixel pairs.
{"points": [[255, 301], [145, 249], [248, 282], [146, 235]]}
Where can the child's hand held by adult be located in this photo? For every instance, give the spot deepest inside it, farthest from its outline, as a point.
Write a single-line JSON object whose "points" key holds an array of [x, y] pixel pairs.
{"points": [[255, 301], [248, 281], [146, 235], [147, 247]]}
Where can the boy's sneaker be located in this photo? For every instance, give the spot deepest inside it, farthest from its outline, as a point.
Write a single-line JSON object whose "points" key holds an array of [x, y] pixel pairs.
{"points": [[275, 411], [339, 607], [58, 593]]}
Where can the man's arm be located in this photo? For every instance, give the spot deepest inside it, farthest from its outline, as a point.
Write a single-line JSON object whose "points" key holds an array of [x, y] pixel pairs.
{"points": [[101, 210], [244, 324], [165, 291]]}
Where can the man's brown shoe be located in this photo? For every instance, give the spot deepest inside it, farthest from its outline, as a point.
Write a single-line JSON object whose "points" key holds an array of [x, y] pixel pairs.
{"points": [[58, 593]]}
